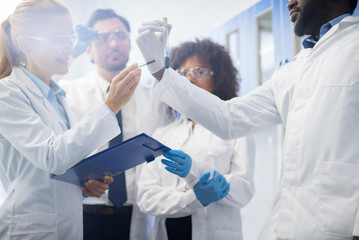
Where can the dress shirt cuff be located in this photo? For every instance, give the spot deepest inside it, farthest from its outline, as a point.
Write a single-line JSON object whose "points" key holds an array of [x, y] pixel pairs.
{"points": [[113, 114]]}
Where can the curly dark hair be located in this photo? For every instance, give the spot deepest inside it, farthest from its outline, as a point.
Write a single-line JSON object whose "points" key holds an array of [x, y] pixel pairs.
{"points": [[226, 84]]}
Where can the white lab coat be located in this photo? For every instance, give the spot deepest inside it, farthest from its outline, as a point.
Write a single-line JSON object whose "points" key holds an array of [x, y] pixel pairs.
{"points": [[142, 113], [34, 144], [316, 97], [164, 194]]}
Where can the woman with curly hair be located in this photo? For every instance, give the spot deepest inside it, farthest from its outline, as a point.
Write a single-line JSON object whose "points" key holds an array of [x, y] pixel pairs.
{"points": [[209, 179]]}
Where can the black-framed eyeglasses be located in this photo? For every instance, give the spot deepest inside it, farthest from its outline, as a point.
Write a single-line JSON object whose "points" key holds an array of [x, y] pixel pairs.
{"points": [[60, 40], [196, 72], [105, 36]]}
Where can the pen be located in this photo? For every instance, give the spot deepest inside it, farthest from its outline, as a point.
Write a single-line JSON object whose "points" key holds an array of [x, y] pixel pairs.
{"points": [[147, 63]]}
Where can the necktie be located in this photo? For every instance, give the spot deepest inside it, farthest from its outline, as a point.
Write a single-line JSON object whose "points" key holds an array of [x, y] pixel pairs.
{"points": [[117, 190]]}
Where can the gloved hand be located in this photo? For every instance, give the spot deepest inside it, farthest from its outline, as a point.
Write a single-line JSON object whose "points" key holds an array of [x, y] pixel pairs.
{"points": [[181, 162], [86, 35], [151, 42], [213, 190]]}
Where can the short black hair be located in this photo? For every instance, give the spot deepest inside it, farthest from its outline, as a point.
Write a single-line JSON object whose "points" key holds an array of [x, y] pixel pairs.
{"points": [[101, 14]]}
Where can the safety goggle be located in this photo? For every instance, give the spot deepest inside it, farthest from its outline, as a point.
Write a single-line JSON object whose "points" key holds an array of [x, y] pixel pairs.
{"points": [[105, 36], [60, 40], [196, 72]]}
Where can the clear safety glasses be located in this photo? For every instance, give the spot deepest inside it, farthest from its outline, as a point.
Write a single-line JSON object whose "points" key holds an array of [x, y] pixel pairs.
{"points": [[59, 41], [196, 72], [105, 36]]}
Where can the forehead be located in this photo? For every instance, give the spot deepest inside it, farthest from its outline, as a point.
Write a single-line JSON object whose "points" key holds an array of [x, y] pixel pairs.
{"points": [[56, 24], [109, 24], [195, 61]]}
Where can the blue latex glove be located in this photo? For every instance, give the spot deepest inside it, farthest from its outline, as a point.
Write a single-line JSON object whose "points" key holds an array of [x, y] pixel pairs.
{"points": [[86, 35], [181, 162], [213, 190]]}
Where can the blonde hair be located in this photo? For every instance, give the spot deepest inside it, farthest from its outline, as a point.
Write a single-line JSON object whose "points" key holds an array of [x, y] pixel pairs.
{"points": [[27, 16]]}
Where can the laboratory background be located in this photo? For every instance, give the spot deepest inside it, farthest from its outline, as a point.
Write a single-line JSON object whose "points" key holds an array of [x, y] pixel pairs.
{"points": [[259, 38]]}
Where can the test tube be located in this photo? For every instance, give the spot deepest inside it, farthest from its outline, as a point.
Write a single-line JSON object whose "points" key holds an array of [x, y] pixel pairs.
{"points": [[167, 48]]}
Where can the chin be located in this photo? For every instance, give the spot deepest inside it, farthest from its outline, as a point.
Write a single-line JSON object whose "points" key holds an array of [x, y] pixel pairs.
{"points": [[62, 71]]}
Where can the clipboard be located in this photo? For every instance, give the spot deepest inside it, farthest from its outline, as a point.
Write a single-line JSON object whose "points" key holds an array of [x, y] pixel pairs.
{"points": [[114, 160]]}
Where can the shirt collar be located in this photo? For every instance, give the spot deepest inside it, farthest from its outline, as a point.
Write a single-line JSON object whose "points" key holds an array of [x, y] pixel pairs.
{"points": [[45, 89], [310, 41], [103, 84]]}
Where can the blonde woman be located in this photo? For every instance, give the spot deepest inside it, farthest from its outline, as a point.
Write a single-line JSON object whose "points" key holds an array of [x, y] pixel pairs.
{"points": [[38, 134]]}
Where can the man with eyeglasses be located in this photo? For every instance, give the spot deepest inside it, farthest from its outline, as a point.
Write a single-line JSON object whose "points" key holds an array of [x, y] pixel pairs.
{"points": [[109, 51]]}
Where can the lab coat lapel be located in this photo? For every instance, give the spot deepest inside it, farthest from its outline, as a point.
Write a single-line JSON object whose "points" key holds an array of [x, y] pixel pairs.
{"points": [[346, 22], [21, 79]]}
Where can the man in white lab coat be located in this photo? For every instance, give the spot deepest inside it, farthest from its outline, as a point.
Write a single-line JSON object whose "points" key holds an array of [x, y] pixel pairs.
{"points": [[316, 98], [109, 50]]}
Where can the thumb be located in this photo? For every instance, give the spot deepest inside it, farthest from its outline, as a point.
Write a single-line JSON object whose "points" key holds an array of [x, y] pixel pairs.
{"points": [[204, 178]]}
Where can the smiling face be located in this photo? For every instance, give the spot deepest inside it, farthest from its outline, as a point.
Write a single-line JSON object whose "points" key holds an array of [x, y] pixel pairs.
{"points": [[48, 57], [308, 15], [111, 55]]}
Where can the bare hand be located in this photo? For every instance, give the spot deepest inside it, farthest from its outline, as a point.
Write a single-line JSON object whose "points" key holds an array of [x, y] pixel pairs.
{"points": [[96, 188], [122, 87]]}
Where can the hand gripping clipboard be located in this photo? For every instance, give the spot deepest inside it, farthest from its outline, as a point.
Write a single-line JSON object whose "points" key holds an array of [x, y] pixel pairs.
{"points": [[114, 160]]}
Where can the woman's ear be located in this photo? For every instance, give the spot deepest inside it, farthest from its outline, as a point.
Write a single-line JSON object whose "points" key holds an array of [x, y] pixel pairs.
{"points": [[23, 44]]}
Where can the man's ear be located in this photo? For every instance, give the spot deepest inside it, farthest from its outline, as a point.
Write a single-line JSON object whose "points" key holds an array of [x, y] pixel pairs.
{"points": [[89, 53]]}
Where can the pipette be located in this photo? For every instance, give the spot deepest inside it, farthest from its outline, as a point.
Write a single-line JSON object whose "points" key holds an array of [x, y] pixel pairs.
{"points": [[147, 63], [167, 48]]}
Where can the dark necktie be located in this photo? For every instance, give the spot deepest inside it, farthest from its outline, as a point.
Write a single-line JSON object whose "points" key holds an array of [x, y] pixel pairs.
{"points": [[117, 190]]}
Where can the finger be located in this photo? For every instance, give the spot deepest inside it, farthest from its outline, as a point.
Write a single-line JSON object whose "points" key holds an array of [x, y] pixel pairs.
{"points": [[125, 77], [135, 83], [177, 153], [169, 163], [125, 72], [96, 186], [91, 193], [216, 176], [86, 192], [153, 25], [204, 178], [171, 170], [133, 79], [158, 23], [108, 179], [149, 29], [176, 159]]}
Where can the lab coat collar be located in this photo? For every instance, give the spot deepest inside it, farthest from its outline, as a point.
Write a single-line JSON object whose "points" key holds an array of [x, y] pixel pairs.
{"points": [[21, 79], [311, 41], [345, 23]]}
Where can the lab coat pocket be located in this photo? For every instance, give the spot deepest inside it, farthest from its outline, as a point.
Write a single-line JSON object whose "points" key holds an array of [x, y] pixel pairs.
{"points": [[33, 226], [338, 198]]}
